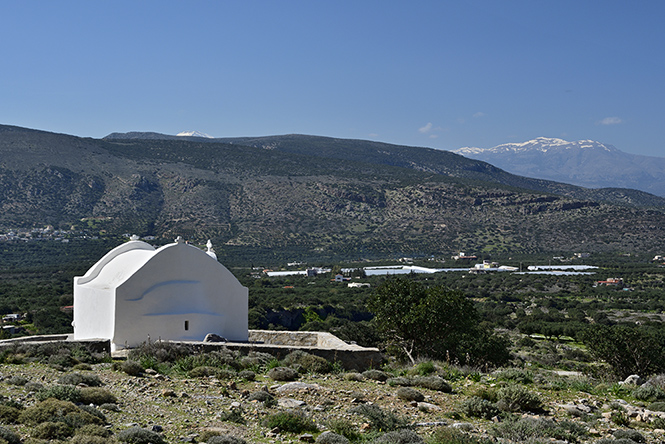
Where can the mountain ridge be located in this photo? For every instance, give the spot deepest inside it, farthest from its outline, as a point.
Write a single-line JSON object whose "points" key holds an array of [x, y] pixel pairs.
{"points": [[310, 197], [584, 163]]}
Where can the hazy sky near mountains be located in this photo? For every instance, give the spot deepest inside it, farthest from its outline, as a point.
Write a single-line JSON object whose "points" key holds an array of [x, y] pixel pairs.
{"points": [[428, 73]]}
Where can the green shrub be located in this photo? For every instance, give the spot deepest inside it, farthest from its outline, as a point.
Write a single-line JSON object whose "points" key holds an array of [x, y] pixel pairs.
{"points": [[345, 428], [110, 406], [34, 386], [648, 392], [529, 429], [515, 398], [376, 375], [516, 375], [293, 422], [137, 435], [283, 374], [433, 383], [17, 380], [203, 371], [476, 407], [61, 392], [425, 368], [233, 415], [309, 362], [408, 394], [658, 406], [132, 368], [52, 430], [488, 393], [9, 415], [94, 412], [380, 419], [54, 410], [94, 430], [91, 439], [96, 396], [353, 376], [402, 381], [91, 380], [82, 366], [247, 375], [448, 435], [9, 435], [402, 436], [329, 437], [225, 439], [620, 418], [260, 395], [633, 435]]}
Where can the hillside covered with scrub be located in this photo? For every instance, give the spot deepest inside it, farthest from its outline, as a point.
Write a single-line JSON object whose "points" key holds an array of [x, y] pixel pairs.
{"points": [[166, 394]]}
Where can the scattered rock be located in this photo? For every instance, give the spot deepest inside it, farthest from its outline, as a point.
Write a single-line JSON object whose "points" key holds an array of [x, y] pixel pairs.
{"points": [[634, 380], [409, 394], [306, 438], [212, 337], [297, 386], [290, 403]]}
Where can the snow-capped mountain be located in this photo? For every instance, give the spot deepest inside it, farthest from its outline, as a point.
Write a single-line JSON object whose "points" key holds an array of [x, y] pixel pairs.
{"points": [[584, 162], [194, 134]]}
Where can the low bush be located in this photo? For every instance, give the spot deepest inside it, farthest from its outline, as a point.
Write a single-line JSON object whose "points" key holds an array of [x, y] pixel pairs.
{"points": [[233, 415], [648, 392], [402, 436], [283, 374], [402, 381], [379, 419], [408, 394], [94, 412], [91, 439], [424, 368], [247, 375], [531, 429], [9, 436], [52, 430], [516, 375], [225, 439], [17, 380], [96, 396], [110, 406], [61, 392], [75, 378], [658, 406], [633, 435], [9, 415], [137, 435], [345, 428], [290, 421], [54, 410], [353, 376], [447, 435], [260, 395], [516, 398], [476, 407], [94, 430], [203, 371], [433, 383], [309, 362], [131, 367], [329, 437], [376, 375]]}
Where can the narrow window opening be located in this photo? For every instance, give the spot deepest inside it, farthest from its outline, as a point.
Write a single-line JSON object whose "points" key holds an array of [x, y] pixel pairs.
{"points": [[186, 325]]}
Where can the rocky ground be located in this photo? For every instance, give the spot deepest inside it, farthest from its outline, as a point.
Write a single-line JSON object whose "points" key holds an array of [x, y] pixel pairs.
{"points": [[185, 409]]}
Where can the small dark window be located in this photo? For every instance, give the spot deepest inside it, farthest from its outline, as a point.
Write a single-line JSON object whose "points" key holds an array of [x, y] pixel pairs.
{"points": [[186, 325]]}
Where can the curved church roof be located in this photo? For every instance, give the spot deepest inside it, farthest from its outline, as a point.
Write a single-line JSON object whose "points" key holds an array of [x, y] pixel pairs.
{"points": [[123, 261]]}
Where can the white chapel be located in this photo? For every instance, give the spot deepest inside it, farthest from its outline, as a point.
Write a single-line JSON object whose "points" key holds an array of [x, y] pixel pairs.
{"points": [[137, 293]]}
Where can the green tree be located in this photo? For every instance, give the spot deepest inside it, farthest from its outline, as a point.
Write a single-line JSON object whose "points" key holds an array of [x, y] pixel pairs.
{"points": [[420, 321], [627, 349]]}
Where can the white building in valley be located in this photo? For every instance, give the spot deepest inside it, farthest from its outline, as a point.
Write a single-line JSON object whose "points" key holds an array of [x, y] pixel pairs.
{"points": [[175, 292]]}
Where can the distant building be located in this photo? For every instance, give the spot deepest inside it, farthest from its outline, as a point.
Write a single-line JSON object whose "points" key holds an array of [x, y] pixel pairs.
{"points": [[463, 255], [611, 282], [358, 284]]}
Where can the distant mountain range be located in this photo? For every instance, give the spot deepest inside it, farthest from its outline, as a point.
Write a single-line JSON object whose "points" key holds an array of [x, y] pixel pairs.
{"points": [[301, 197], [585, 163]]}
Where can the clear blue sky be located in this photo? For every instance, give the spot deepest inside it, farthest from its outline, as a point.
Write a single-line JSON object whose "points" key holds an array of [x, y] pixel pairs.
{"points": [[442, 74]]}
